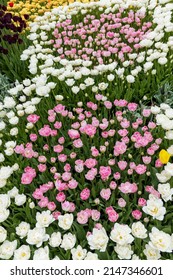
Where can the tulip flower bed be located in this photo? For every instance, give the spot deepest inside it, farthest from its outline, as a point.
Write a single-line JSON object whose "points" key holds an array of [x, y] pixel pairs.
{"points": [[14, 23], [12, 43], [85, 154], [36, 8], [93, 49]]}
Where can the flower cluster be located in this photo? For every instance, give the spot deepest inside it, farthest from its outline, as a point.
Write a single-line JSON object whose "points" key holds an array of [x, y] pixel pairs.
{"points": [[109, 38], [45, 60], [85, 163], [103, 162], [79, 183], [164, 117], [5, 86], [35, 8], [5, 172], [113, 43], [10, 28]]}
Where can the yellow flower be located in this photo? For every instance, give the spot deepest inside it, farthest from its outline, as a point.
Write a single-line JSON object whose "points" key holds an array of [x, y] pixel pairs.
{"points": [[33, 8], [164, 156]]}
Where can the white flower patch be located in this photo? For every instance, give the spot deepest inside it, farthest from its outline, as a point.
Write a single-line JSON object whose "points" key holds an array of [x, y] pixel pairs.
{"points": [[65, 221], [44, 219], [37, 236], [3, 234], [20, 199], [151, 253], [68, 241], [121, 234], [4, 201], [155, 208], [7, 249], [166, 191], [22, 253], [5, 173], [22, 229], [4, 204], [41, 254], [163, 177], [13, 192], [91, 256], [4, 213], [78, 253], [123, 252], [160, 240], [98, 239], [139, 230], [55, 239]]}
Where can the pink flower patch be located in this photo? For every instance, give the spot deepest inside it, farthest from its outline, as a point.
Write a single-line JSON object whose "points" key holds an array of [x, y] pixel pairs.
{"points": [[90, 130], [73, 134], [33, 118], [90, 163], [45, 131], [58, 148], [128, 188]]}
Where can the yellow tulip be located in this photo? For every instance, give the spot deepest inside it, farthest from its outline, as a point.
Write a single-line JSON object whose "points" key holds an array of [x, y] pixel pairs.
{"points": [[164, 156], [33, 8]]}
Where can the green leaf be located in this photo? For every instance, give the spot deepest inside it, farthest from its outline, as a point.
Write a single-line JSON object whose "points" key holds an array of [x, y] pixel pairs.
{"points": [[28, 213], [81, 234], [103, 255]]}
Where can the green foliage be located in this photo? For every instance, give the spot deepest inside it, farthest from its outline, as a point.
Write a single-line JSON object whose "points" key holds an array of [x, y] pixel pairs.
{"points": [[164, 94], [5, 85], [4, 2], [11, 65]]}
